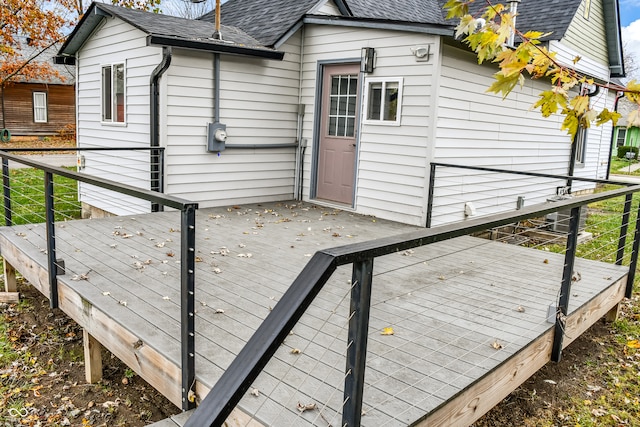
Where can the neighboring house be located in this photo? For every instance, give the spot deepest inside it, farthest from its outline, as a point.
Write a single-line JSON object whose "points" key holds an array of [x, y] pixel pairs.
{"points": [[623, 135], [39, 106], [303, 120]]}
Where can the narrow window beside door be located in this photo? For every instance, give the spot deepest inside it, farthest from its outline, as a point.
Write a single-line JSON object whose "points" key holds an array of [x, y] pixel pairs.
{"points": [[40, 107], [383, 101], [113, 108]]}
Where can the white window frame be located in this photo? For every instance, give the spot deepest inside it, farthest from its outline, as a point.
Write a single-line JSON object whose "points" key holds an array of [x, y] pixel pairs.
{"points": [[109, 107], [40, 110], [581, 146], [367, 88]]}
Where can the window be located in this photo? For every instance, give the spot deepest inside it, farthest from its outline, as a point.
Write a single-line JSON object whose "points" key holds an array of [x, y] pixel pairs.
{"points": [[384, 96], [40, 107], [342, 107], [581, 145], [113, 93], [622, 136]]}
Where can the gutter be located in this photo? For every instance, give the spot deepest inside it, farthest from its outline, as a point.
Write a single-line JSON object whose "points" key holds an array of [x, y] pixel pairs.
{"points": [[157, 167], [215, 47]]}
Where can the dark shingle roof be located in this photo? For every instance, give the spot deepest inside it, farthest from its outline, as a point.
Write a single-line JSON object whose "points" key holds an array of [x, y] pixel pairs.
{"points": [[169, 28], [548, 16], [267, 21], [66, 72], [418, 11]]}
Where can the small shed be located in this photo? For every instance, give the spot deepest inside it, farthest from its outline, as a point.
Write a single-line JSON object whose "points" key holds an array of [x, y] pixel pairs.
{"points": [[39, 106]]}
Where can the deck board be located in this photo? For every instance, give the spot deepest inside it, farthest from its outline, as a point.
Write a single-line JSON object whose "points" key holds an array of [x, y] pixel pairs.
{"points": [[448, 303]]}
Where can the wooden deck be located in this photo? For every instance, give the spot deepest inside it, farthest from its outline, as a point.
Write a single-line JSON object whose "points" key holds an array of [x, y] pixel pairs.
{"points": [[469, 315]]}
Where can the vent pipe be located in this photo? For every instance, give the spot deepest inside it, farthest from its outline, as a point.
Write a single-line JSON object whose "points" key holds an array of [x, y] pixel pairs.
{"points": [[217, 34], [513, 9]]}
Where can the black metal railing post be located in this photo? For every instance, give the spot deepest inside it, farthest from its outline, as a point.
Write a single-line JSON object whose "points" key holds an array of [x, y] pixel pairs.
{"points": [[51, 239], [357, 342], [565, 288], [187, 305], [432, 184], [634, 256], [624, 228], [6, 185]]}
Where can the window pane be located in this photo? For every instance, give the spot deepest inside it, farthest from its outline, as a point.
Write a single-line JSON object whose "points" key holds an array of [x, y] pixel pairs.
{"points": [[353, 85], [350, 126], [39, 107], [342, 125], [622, 134], [118, 82], [375, 99], [335, 82], [332, 126], [344, 85], [333, 109], [351, 106], [342, 106], [106, 93], [391, 101]]}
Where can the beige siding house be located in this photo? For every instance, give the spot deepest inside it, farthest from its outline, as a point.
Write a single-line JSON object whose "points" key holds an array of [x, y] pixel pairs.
{"points": [[304, 120]]}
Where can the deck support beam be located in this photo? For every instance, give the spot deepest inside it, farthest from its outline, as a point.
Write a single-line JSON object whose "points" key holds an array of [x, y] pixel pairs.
{"points": [[92, 358], [10, 280], [359, 311], [612, 315], [565, 289]]}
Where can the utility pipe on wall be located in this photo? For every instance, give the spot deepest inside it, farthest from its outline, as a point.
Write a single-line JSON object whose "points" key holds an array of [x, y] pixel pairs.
{"points": [[157, 174]]}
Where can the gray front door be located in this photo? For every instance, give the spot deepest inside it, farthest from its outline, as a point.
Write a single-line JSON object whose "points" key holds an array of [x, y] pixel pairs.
{"points": [[338, 127]]}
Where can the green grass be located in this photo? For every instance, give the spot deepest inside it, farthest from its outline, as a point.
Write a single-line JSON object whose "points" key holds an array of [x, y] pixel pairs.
{"points": [[27, 197], [619, 166]]}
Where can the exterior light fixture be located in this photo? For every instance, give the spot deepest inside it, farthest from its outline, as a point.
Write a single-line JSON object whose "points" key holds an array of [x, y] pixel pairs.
{"points": [[366, 59]]}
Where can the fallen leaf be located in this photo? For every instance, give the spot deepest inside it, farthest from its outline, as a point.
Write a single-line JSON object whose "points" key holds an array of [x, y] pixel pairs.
{"points": [[497, 345], [217, 270], [219, 311], [160, 245], [106, 293], [166, 298], [520, 309], [633, 344], [308, 407], [598, 412], [546, 261], [122, 302], [198, 259], [408, 252], [552, 382], [387, 331], [255, 392], [295, 351]]}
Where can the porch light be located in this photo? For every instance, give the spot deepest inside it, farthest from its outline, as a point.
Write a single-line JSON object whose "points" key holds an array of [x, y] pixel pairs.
{"points": [[366, 59]]}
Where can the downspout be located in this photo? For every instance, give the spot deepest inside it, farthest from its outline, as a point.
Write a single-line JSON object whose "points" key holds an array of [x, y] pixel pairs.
{"points": [[216, 88], [157, 163], [574, 146], [613, 132], [302, 145], [513, 9]]}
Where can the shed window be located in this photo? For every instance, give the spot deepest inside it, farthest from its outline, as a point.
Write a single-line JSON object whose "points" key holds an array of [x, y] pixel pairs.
{"points": [[113, 108], [384, 96], [40, 107]]}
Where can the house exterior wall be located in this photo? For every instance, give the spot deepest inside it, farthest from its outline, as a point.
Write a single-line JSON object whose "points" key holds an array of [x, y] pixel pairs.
{"points": [[115, 42], [18, 106], [391, 160], [481, 129], [587, 35], [258, 104]]}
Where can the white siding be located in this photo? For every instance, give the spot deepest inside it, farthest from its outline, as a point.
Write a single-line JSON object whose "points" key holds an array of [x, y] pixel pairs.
{"points": [[325, 7], [480, 129], [588, 36], [115, 42], [259, 105], [392, 160]]}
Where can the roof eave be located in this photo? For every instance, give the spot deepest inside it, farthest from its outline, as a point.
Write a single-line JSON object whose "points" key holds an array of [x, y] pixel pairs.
{"points": [[207, 46], [614, 37], [435, 29], [83, 30]]}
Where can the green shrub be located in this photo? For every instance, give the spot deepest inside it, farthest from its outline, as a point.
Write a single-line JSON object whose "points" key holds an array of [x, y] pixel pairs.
{"points": [[623, 150]]}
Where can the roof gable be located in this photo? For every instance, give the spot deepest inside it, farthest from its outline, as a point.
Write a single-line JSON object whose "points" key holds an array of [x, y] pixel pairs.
{"points": [[167, 30]]}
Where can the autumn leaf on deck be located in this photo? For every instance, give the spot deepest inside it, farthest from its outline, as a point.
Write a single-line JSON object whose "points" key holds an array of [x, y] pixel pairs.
{"points": [[387, 331]]}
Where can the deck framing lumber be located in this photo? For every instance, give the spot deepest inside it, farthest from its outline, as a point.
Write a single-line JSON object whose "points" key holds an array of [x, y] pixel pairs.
{"points": [[10, 280], [473, 402], [92, 358]]}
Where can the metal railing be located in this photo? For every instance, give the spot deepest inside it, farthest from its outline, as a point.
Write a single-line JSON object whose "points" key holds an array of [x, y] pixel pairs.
{"points": [[261, 347], [187, 211]]}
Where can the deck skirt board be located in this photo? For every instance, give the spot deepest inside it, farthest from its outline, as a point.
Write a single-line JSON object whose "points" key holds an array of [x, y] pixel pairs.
{"points": [[448, 304]]}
